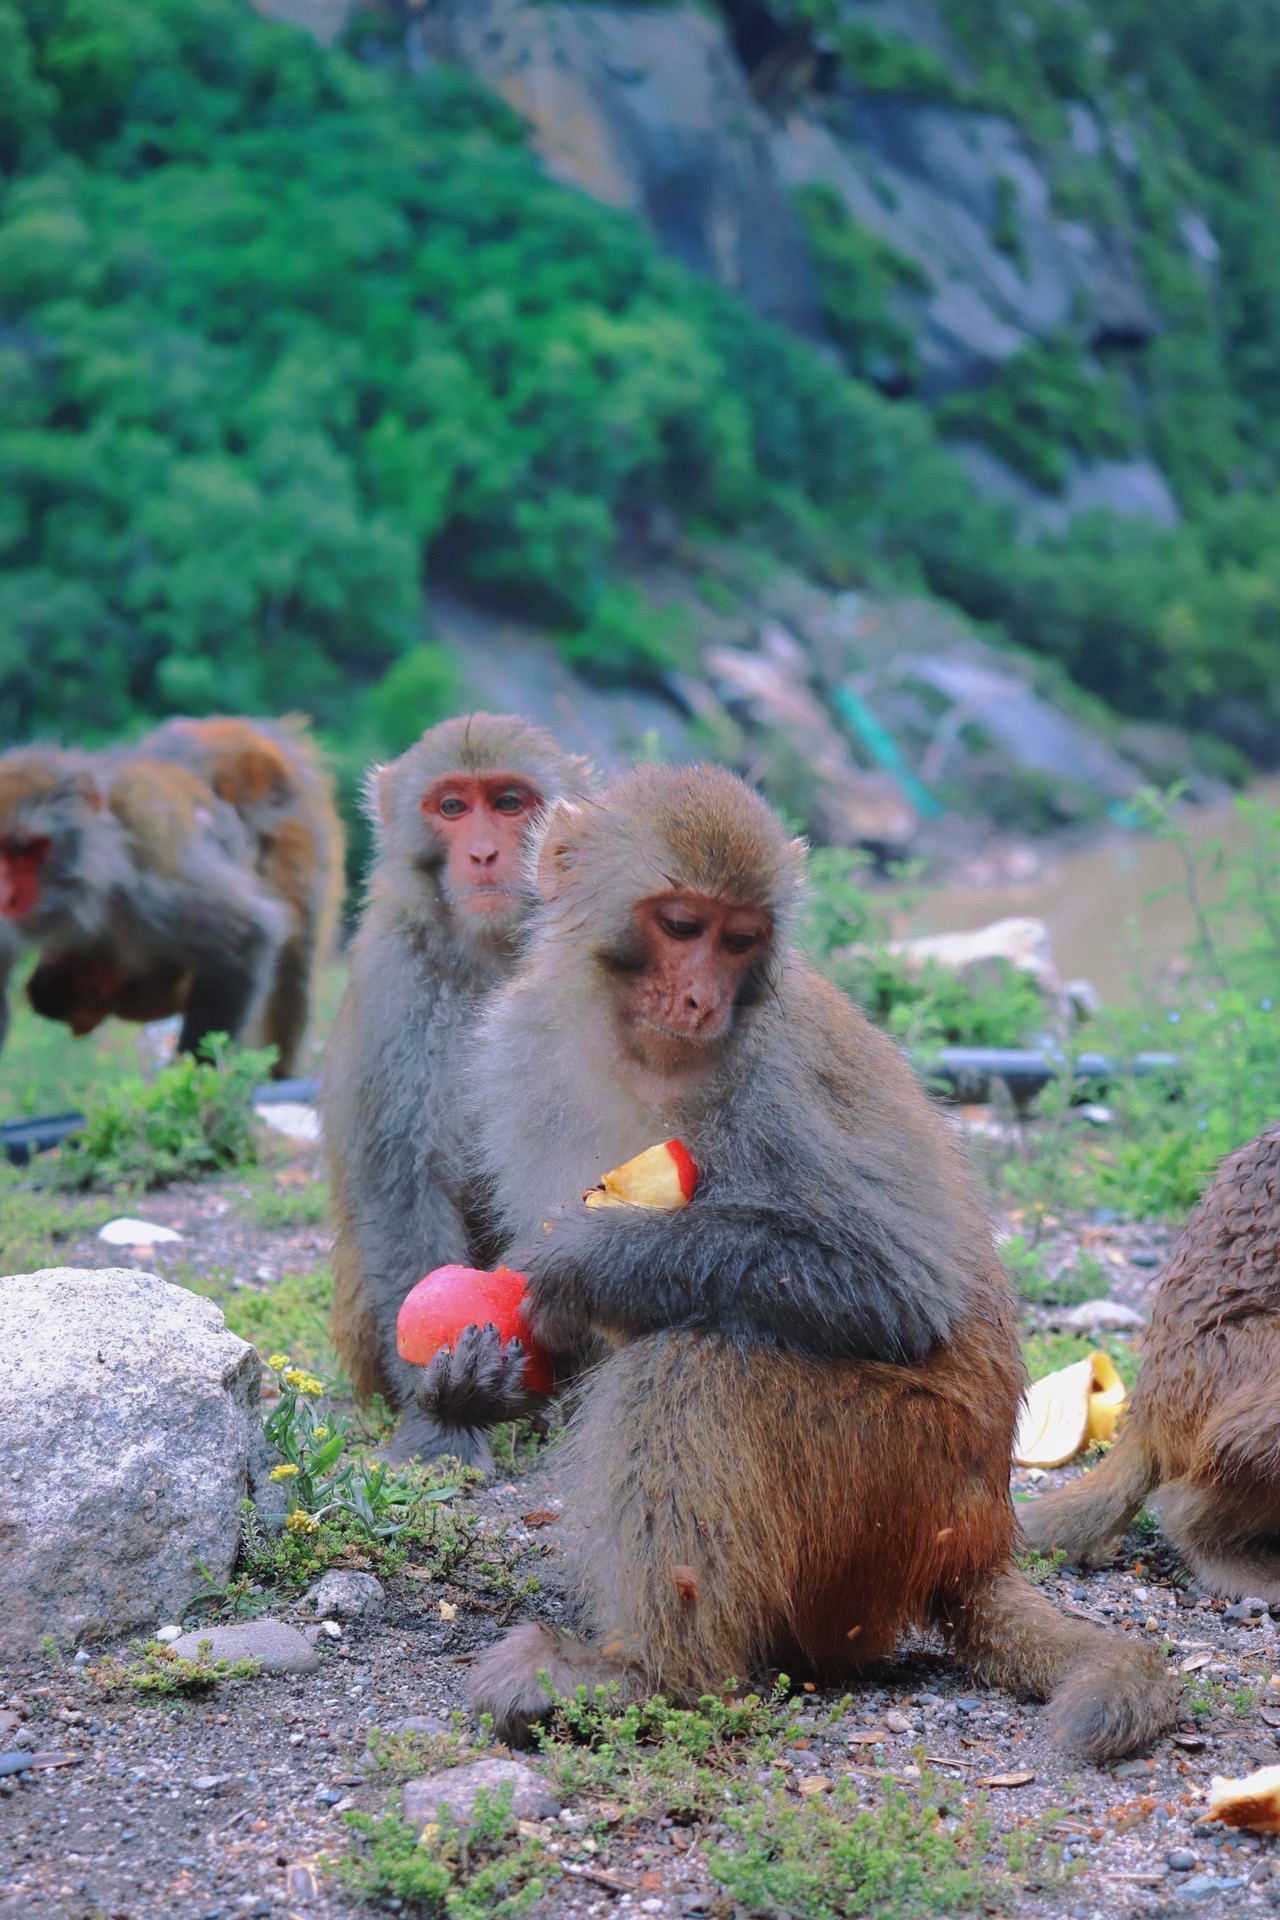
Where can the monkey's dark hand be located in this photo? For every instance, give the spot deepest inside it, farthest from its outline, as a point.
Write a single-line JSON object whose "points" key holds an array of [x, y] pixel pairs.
{"points": [[477, 1383]]}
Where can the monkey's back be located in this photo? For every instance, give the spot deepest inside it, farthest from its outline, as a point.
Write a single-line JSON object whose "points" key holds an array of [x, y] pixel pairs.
{"points": [[1214, 1336]]}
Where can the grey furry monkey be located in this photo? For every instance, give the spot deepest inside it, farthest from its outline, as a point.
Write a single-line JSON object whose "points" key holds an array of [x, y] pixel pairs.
{"points": [[441, 928]]}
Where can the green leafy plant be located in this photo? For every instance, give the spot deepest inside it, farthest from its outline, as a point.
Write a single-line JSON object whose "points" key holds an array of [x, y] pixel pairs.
{"points": [[195, 1117], [159, 1670], [485, 1869], [829, 1857], [323, 1478]]}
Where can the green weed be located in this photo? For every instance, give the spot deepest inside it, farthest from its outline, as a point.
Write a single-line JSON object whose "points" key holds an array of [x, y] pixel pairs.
{"points": [[195, 1117], [159, 1670], [35, 1226], [477, 1873], [828, 1857], [290, 1317], [1036, 1567], [271, 1205]]}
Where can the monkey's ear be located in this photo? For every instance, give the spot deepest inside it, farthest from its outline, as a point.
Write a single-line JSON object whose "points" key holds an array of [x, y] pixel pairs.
{"points": [[379, 798], [557, 849]]}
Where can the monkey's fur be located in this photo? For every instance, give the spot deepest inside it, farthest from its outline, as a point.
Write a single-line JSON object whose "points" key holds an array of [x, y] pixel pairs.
{"points": [[396, 1135], [197, 873], [1204, 1426], [268, 771], [750, 1478]]}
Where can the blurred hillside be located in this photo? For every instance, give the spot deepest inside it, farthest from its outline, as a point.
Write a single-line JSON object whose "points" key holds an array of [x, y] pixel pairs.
{"points": [[878, 393]]}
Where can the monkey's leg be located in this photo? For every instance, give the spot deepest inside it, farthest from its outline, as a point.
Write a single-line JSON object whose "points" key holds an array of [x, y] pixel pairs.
{"points": [[288, 1008], [1085, 1518], [1107, 1694], [684, 1560]]}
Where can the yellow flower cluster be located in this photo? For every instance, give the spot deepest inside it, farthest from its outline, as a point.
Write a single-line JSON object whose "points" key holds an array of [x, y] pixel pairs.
{"points": [[300, 1522], [277, 1360], [320, 1433], [302, 1382], [284, 1472]]}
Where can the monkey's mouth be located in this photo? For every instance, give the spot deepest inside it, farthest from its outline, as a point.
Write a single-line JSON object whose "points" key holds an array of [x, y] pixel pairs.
{"points": [[486, 902], [703, 1036]]}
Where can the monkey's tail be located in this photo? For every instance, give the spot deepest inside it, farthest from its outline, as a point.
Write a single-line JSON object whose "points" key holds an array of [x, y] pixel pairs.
{"points": [[1085, 1518], [1107, 1694]]}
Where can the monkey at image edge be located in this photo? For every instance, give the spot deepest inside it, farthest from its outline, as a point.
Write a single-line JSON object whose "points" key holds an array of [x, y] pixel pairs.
{"points": [[441, 927], [797, 1448]]}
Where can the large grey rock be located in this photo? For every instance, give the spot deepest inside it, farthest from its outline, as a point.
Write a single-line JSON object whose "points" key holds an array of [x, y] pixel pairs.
{"points": [[280, 1647], [128, 1414], [944, 186], [531, 1797], [1133, 489], [647, 109]]}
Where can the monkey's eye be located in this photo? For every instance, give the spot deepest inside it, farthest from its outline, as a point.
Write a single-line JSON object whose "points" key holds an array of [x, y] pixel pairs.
{"points": [[680, 929], [509, 802], [741, 942], [452, 807]]}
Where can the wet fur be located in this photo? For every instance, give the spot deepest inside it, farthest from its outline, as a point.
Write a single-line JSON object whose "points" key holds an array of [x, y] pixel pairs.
{"points": [[748, 1479], [1203, 1433]]}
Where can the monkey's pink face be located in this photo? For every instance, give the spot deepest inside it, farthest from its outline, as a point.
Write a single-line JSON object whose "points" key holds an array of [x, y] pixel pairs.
{"points": [[699, 954], [20, 863], [481, 822]]}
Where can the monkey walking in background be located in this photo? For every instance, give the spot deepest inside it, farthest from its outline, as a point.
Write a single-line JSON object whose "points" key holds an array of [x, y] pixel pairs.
{"points": [[441, 928], [1204, 1426], [198, 873], [270, 774], [798, 1446]]}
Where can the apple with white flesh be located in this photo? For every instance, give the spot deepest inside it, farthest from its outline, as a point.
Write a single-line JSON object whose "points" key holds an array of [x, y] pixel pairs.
{"points": [[665, 1176]]}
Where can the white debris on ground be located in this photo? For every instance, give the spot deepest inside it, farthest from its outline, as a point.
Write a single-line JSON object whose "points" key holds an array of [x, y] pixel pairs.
{"points": [[128, 1232], [292, 1118]]}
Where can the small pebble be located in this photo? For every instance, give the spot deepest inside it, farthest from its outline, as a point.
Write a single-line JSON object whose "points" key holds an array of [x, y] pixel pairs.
{"points": [[897, 1722], [80, 1659], [1182, 1860], [328, 1796], [14, 1763], [331, 1629], [168, 1633]]}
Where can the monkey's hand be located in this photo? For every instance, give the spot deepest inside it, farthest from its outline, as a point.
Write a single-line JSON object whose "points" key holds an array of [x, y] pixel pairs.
{"points": [[477, 1383]]}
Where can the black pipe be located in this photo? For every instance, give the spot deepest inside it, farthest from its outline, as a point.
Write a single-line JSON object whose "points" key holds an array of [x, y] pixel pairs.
{"points": [[968, 1071]]}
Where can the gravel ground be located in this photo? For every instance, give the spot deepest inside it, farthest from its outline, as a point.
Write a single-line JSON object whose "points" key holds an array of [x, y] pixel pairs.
{"points": [[225, 1809]]}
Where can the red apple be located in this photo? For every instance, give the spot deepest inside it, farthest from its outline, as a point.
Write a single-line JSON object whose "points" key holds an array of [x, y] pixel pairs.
{"points": [[453, 1298]]}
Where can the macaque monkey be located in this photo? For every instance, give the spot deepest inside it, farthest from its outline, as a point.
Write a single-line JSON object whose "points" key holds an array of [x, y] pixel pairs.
{"points": [[441, 928], [269, 773], [797, 1448], [1204, 1426], [196, 874]]}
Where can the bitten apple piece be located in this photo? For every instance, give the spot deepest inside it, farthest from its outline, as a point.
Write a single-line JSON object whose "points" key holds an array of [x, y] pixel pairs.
{"points": [[1252, 1802], [665, 1176], [450, 1299]]}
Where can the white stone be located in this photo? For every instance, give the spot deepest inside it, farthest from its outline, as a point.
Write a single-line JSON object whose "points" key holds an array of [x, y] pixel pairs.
{"points": [[346, 1593], [128, 1232], [132, 1415], [1101, 1316], [166, 1634], [293, 1118]]}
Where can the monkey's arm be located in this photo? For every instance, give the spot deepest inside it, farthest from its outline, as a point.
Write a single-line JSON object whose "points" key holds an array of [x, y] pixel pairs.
{"points": [[804, 1282]]}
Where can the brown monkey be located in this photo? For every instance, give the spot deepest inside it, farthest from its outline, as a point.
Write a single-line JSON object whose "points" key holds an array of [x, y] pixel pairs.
{"points": [[442, 926], [269, 772], [1204, 1426], [799, 1445], [137, 885]]}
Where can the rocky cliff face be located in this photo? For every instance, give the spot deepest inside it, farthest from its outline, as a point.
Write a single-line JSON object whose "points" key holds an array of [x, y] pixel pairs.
{"points": [[706, 123]]}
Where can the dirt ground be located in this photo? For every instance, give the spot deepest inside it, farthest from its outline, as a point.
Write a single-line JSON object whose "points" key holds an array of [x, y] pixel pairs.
{"points": [[230, 1808]]}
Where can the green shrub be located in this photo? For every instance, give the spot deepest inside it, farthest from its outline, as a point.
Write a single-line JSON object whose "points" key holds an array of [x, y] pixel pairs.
{"points": [[195, 1117]]}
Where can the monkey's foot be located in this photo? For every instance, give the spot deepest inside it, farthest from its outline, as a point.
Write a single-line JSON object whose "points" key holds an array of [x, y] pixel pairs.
{"points": [[508, 1681], [426, 1441]]}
